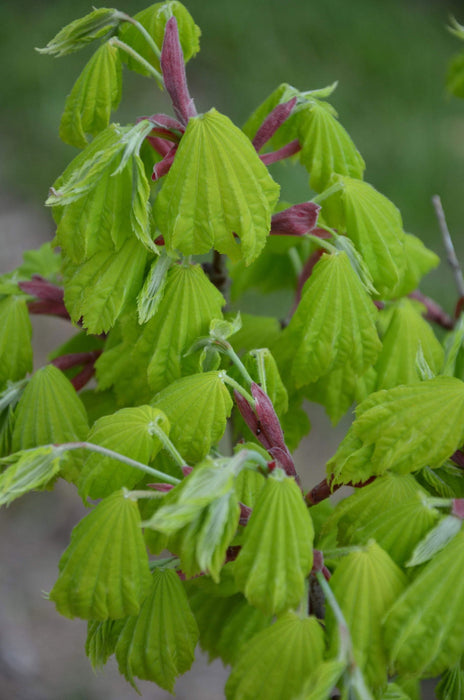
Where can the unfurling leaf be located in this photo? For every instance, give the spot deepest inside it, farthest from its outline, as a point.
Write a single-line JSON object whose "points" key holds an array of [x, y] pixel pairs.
{"points": [[277, 661], [208, 192], [104, 571], [78, 34], [277, 551], [158, 644], [28, 470], [96, 93], [15, 339]]}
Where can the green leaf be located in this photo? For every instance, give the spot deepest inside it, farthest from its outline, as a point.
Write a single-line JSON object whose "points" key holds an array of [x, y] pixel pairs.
{"points": [[451, 685], [104, 572], [97, 290], [406, 333], [326, 146], [435, 540], [295, 423], [15, 339], [402, 429], [152, 292], [129, 432], [154, 20], [424, 632], [95, 94], [28, 470], [44, 262], [61, 418], [336, 391], [277, 661], [197, 408], [366, 583], [263, 369], [455, 76], [322, 681], [419, 261], [394, 692], [9, 397], [393, 510], [226, 622], [78, 34], [101, 640], [334, 324], [453, 345], [256, 331], [277, 551], [159, 643], [197, 213], [249, 482], [374, 225]]}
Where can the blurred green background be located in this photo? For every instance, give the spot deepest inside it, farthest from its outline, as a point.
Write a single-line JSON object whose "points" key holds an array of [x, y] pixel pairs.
{"points": [[390, 58]]}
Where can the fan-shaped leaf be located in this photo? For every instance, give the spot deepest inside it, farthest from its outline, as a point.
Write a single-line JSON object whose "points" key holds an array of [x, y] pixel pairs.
{"points": [[159, 643], [15, 339], [216, 187], [62, 416], [104, 572], [276, 662], [366, 583], [277, 548]]}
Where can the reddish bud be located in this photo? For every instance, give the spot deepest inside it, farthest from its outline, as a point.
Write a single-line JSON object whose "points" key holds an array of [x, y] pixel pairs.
{"points": [[296, 220], [42, 289], [173, 68], [458, 508], [274, 119], [164, 165], [285, 152], [164, 488]]}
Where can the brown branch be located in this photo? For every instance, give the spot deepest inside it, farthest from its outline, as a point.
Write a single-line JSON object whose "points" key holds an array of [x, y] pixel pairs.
{"points": [[434, 312]]}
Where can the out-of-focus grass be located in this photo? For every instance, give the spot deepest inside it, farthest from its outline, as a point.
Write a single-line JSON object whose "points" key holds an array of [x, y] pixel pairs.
{"points": [[389, 57]]}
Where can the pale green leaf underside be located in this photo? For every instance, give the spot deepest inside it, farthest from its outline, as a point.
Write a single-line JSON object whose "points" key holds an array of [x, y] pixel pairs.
{"points": [[334, 324], [82, 31], [95, 94], [216, 187], [49, 411], [159, 643], [104, 571], [276, 555], [276, 662], [28, 470], [15, 339]]}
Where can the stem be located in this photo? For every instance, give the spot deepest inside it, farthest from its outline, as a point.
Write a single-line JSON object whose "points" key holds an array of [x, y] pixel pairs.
{"points": [[322, 243], [165, 563], [144, 494], [168, 446], [154, 47], [328, 193], [239, 388], [120, 458], [132, 52], [232, 355], [434, 312], [449, 247]]}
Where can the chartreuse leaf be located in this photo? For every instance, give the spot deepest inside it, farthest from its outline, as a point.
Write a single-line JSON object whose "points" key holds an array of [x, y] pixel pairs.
{"points": [[104, 572], [129, 432], [216, 187], [419, 261], [451, 685], [336, 391], [322, 681], [78, 34], [9, 397], [423, 630], [101, 640], [334, 324], [326, 146], [28, 470], [366, 583], [202, 514], [394, 692], [374, 225], [97, 290], [152, 292], [154, 20], [435, 540], [15, 339], [277, 661], [263, 369], [225, 619], [95, 94], [61, 418], [406, 333], [402, 429], [197, 408], [44, 261], [393, 510], [276, 555], [158, 644]]}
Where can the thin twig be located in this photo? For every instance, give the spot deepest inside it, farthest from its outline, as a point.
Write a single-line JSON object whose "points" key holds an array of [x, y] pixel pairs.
{"points": [[449, 247]]}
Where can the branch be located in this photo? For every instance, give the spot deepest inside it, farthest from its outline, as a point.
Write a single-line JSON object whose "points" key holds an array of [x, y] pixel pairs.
{"points": [[434, 311], [449, 247]]}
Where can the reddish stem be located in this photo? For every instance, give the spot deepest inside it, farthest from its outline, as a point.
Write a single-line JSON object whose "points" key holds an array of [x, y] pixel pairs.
{"points": [[75, 359], [276, 118], [434, 311], [285, 152], [324, 489], [42, 289], [49, 308], [84, 376]]}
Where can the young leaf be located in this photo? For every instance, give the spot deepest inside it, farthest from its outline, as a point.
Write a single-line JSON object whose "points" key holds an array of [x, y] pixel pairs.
{"points": [[393, 510], [366, 583], [9, 397], [15, 339], [197, 213], [277, 552], [101, 640], [374, 225], [154, 19], [424, 632], [81, 32], [97, 290], [334, 324], [435, 540], [28, 470], [419, 261], [158, 644], [104, 571], [95, 94], [451, 685], [402, 429], [322, 681], [197, 408], [44, 262], [276, 662], [62, 417], [326, 146], [336, 391], [152, 292], [129, 432]]}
